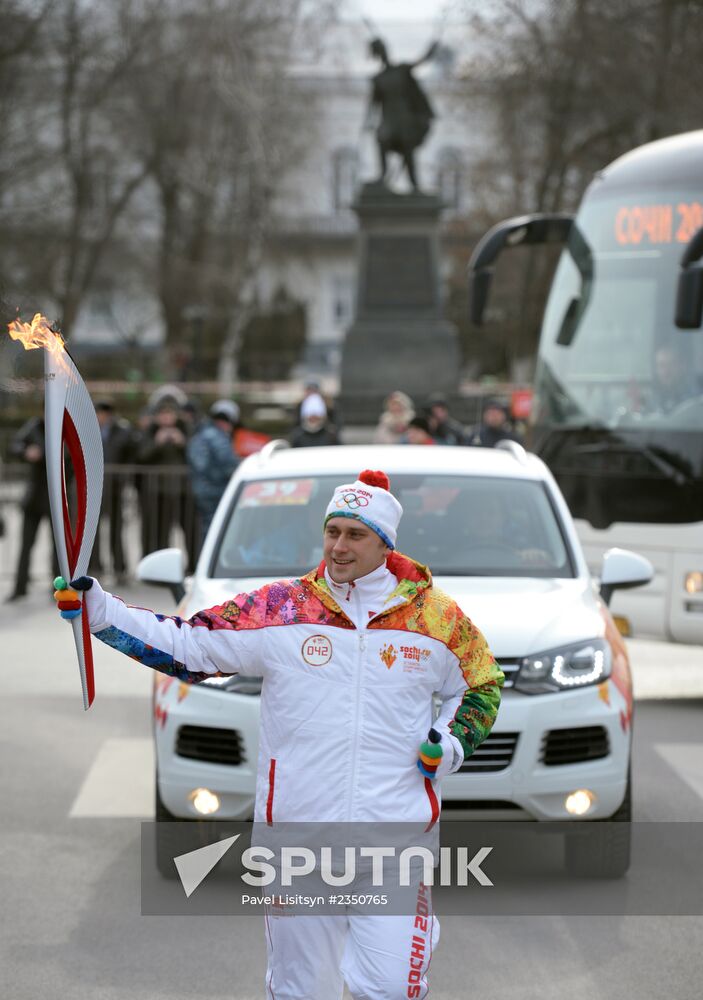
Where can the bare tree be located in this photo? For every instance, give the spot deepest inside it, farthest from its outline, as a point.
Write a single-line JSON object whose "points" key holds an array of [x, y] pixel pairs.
{"points": [[20, 26], [570, 85], [95, 52], [214, 161]]}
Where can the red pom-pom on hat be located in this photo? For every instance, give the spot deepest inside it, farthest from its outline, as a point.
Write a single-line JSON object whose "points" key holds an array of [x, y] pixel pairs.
{"points": [[375, 478]]}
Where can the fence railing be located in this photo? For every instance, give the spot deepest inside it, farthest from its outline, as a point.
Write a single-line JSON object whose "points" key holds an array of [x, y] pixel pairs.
{"points": [[144, 508]]}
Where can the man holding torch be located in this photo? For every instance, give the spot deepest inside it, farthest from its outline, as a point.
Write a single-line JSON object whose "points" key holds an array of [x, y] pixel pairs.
{"points": [[344, 736]]}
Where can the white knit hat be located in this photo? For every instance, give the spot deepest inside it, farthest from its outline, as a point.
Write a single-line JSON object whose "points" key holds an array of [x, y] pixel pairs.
{"points": [[313, 406], [370, 501]]}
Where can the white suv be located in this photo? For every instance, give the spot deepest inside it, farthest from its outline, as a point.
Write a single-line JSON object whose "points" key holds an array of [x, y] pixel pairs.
{"points": [[494, 529]]}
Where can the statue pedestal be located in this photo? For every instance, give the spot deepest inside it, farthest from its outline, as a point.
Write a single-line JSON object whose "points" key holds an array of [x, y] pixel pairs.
{"points": [[399, 339]]}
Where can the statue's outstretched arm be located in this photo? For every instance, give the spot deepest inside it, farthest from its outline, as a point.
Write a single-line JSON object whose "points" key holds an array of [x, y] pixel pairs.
{"points": [[427, 56]]}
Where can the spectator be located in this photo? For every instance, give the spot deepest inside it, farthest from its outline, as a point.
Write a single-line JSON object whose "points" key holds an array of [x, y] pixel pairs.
{"points": [[163, 447], [245, 441], [313, 388], [443, 427], [672, 383], [419, 432], [494, 426], [392, 426], [28, 446], [212, 459], [315, 428], [192, 416], [119, 443]]}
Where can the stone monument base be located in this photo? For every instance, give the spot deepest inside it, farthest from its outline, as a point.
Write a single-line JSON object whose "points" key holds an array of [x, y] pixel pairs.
{"points": [[379, 357], [399, 339]]}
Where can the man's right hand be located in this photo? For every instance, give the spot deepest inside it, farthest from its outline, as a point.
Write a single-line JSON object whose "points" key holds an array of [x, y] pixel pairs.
{"points": [[66, 595]]}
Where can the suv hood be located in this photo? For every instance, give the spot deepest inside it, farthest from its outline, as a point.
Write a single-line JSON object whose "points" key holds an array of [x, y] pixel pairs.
{"points": [[518, 616]]}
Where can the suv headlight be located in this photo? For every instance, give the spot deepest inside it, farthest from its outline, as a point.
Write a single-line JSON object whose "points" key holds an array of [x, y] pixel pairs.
{"points": [[565, 668], [236, 684]]}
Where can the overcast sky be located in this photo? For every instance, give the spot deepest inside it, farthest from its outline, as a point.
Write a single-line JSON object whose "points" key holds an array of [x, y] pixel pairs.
{"points": [[403, 10]]}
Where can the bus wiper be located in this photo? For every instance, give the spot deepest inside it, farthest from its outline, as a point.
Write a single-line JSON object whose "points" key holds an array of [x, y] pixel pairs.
{"points": [[558, 438], [662, 464]]}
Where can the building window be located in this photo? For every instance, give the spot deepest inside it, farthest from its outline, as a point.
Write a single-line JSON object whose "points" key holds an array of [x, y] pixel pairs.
{"points": [[449, 177], [342, 300], [345, 172]]}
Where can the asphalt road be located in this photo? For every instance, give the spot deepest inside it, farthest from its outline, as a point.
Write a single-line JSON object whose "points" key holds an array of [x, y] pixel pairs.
{"points": [[74, 787]]}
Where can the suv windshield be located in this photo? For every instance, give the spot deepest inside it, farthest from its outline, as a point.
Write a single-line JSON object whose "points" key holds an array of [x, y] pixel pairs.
{"points": [[457, 525]]}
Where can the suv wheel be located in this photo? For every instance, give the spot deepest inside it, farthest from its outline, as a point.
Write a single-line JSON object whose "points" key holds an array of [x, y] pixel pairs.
{"points": [[602, 850]]}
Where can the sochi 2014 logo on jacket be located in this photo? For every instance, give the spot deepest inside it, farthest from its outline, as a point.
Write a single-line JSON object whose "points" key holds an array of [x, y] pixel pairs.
{"points": [[389, 655], [414, 659], [317, 650]]}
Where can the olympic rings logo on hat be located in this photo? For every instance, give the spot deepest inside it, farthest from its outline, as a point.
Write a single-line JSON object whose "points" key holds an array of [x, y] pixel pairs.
{"points": [[352, 500]]}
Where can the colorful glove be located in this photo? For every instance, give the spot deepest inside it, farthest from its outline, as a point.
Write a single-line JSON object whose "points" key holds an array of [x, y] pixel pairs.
{"points": [[66, 595], [431, 754]]}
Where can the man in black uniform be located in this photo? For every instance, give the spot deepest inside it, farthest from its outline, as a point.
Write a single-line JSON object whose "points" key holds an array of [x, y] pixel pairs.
{"points": [[119, 444], [494, 426], [28, 446]]}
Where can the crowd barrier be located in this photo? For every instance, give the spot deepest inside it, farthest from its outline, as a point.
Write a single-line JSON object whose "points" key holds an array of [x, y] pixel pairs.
{"points": [[144, 508]]}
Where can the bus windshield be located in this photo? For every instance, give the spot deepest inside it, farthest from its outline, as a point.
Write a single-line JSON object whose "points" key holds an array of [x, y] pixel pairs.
{"points": [[623, 363]]}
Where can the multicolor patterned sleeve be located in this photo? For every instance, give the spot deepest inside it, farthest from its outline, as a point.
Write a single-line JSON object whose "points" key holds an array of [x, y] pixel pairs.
{"points": [[220, 641], [471, 694]]}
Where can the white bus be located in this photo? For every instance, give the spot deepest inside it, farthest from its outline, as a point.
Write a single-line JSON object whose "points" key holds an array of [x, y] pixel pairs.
{"points": [[618, 408]]}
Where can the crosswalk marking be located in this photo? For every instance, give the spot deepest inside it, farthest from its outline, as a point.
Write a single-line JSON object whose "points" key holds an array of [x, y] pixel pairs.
{"points": [[120, 782], [686, 759]]}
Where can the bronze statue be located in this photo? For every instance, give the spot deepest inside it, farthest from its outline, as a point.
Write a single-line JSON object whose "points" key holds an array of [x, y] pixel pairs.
{"points": [[406, 113]]}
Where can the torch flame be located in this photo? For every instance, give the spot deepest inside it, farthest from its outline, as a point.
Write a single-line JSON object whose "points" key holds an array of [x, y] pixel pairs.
{"points": [[39, 333]]}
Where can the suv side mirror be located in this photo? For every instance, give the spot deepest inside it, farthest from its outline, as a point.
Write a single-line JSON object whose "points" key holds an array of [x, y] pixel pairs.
{"points": [[621, 570], [164, 568]]}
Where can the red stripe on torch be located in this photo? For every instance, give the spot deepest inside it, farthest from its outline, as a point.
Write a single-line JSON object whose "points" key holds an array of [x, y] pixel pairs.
{"points": [[74, 539]]}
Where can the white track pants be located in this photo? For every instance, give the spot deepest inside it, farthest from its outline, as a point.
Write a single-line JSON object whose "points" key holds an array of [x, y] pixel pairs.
{"points": [[379, 957]]}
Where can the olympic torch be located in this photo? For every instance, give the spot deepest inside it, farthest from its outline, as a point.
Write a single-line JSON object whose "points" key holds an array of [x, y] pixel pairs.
{"points": [[70, 426]]}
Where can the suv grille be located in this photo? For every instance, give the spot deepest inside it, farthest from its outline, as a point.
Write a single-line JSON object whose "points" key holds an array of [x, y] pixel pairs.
{"points": [[216, 746], [573, 746], [510, 668], [494, 754]]}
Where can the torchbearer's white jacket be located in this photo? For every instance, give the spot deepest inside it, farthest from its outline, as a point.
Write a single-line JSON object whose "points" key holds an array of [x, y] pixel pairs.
{"points": [[346, 695]]}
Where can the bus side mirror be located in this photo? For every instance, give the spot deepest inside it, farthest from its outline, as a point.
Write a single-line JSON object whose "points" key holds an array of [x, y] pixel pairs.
{"points": [[689, 298], [479, 291], [569, 323]]}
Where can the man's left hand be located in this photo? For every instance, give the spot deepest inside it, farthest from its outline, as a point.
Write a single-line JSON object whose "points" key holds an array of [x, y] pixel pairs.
{"points": [[430, 755]]}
